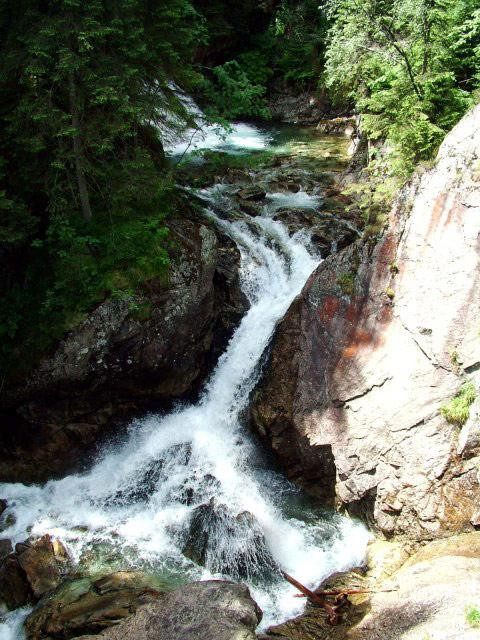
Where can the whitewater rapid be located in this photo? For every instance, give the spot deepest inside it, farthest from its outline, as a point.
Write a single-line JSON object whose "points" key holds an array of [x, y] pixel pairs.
{"points": [[134, 506]]}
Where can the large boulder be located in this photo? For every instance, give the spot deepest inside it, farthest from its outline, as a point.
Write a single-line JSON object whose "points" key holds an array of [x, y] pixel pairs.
{"points": [[82, 606], [213, 610], [228, 543], [35, 569], [380, 339], [155, 346]]}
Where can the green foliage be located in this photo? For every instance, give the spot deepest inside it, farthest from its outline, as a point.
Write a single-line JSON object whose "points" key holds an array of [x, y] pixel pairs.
{"points": [[458, 409], [84, 187], [410, 67], [234, 95], [472, 616], [289, 52]]}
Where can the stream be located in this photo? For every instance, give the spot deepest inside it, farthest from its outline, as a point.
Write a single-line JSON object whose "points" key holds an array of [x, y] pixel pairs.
{"points": [[198, 471]]}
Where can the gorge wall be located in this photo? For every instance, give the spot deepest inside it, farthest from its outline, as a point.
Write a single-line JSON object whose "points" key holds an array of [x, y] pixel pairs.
{"points": [[357, 375]]}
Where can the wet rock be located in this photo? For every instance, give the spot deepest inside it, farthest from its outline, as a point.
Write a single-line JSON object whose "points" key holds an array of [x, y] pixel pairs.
{"points": [[210, 610], [328, 231], [253, 193], [34, 569], [208, 483], [83, 606], [5, 548], [250, 208], [152, 347], [349, 422], [3, 506], [228, 543], [15, 590]]}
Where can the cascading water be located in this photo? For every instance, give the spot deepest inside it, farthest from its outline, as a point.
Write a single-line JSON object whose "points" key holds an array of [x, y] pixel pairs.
{"points": [[198, 472]]}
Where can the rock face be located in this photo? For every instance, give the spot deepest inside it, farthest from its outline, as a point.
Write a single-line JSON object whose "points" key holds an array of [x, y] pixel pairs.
{"points": [[121, 607], [32, 571], [157, 344], [379, 340]]}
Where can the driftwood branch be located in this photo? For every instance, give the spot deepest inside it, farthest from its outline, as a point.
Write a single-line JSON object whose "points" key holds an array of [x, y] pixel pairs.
{"points": [[333, 616], [319, 597]]}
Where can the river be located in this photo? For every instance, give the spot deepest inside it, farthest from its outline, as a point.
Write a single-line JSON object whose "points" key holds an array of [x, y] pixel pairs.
{"points": [[134, 507]]}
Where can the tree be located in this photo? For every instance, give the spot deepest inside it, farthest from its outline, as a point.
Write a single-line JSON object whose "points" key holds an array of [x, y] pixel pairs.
{"points": [[401, 64]]}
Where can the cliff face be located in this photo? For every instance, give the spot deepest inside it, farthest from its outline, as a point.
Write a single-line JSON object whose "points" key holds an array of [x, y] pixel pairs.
{"points": [[351, 397]]}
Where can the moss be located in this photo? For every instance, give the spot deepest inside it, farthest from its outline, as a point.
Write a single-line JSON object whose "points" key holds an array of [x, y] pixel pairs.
{"points": [[346, 282], [454, 358], [458, 409], [472, 616], [390, 293]]}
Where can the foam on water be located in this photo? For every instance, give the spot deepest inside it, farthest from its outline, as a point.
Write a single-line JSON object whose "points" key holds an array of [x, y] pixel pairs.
{"points": [[236, 138], [299, 200], [11, 624], [138, 498]]}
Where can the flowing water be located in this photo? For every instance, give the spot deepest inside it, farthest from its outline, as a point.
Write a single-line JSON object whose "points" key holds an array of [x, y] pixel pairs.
{"points": [[134, 508]]}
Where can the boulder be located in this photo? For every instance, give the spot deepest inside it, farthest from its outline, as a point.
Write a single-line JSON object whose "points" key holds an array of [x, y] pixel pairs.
{"points": [[36, 568], [380, 339], [84, 606], [253, 193], [228, 543], [141, 351], [210, 610]]}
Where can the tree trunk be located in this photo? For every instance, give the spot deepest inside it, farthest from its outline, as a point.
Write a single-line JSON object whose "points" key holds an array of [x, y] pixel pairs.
{"points": [[78, 153]]}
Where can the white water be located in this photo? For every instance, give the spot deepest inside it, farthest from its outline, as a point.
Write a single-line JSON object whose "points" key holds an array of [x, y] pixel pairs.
{"points": [[136, 502], [11, 624], [236, 137]]}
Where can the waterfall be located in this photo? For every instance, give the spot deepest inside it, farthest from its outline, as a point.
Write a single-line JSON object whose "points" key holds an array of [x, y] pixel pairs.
{"points": [[199, 466]]}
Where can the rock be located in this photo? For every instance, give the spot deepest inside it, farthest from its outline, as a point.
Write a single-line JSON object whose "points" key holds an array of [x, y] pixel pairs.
{"points": [[210, 610], [5, 548], [82, 606], [250, 208], [32, 571], [424, 597], [3, 506], [362, 362], [346, 125], [431, 593], [253, 193], [297, 108], [153, 347], [228, 543]]}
